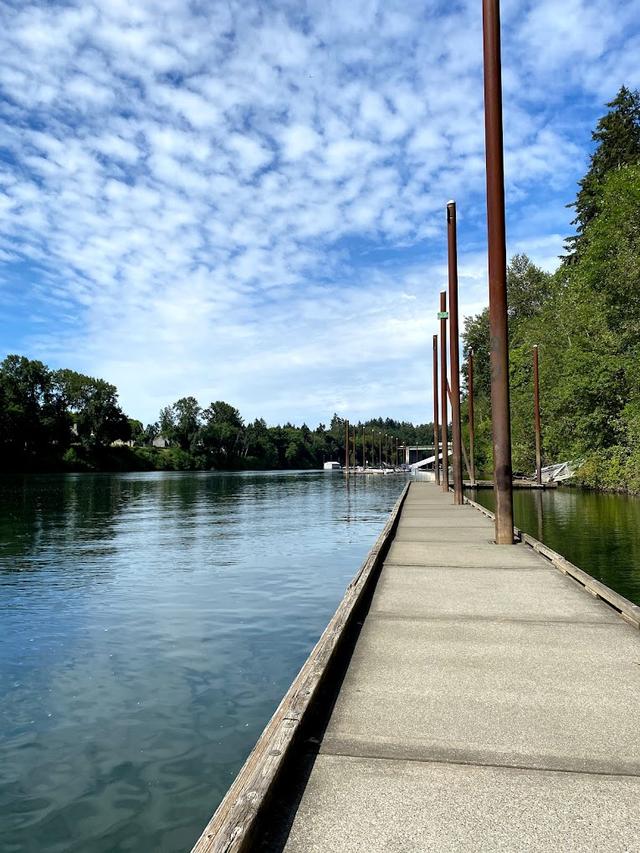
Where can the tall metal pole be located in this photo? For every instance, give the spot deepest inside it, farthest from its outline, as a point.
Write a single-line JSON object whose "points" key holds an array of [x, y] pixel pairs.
{"points": [[380, 441], [472, 421], [454, 353], [364, 449], [436, 435], [355, 460], [346, 449], [498, 325], [444, 480], [536, 415], [355, 447]]}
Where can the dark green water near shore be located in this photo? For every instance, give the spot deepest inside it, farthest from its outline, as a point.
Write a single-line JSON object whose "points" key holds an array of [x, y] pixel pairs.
{"points": [[598, 532], [150, 626]]}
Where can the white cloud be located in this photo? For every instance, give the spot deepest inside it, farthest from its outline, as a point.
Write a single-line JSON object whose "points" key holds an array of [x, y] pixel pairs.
{"points": [[247, 201], [115, 146], [249, 155], [558, 33], [298, 140]]}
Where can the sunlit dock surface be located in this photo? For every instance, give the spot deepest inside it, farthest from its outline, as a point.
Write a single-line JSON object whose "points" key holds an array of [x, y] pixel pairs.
{"points": [[488, 702]]}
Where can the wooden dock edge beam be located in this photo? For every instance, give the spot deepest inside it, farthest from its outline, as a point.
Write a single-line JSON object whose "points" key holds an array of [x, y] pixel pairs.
{"points": [[629, 611], [231, 829]]}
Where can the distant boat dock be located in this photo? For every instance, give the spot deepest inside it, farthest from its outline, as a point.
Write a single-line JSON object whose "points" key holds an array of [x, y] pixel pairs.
{"points": [[465, 696]]}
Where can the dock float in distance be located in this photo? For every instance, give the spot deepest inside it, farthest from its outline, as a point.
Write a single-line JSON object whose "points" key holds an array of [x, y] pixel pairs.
{"points": [[485, 702]]}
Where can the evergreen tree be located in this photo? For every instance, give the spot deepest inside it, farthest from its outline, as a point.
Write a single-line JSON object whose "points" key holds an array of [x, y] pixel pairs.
{"points": [[528, 288], [618, 144]]}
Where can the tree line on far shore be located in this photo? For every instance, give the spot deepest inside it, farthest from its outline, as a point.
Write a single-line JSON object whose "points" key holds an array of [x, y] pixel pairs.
{"points": [[64, 420]]}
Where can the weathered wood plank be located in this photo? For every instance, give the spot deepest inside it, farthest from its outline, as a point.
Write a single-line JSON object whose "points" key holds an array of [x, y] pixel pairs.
{"points": [[230, 830], [627, 609]]}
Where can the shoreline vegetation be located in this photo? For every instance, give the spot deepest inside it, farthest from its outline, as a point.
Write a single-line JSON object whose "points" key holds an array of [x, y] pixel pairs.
{"points": [[63, 421], [584, 318]]}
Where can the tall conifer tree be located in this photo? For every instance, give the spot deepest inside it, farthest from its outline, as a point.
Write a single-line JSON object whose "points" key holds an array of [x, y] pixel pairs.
{"points": [[618, 144]]}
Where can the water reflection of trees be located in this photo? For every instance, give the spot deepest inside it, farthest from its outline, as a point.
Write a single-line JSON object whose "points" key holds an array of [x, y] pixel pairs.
{"points": [[596, 531], [53, 513], [74, 520]]}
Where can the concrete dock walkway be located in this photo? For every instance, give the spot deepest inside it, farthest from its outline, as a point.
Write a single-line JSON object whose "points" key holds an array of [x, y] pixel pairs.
{"points": [[490, 704]]}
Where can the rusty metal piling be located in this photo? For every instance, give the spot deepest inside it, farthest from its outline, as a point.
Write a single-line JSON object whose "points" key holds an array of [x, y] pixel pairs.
{"points": [[536, 415], [436, 435], [472, 425], [444, 480], [346, 449], [454, 354], [498, 323], [364, 449]]}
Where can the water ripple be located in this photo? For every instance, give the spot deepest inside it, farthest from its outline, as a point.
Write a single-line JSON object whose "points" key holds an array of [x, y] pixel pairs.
{"points": [[151, 623]]}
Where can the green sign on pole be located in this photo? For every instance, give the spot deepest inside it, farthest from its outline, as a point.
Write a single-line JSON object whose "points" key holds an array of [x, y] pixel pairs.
{"points": [[443, 315]]}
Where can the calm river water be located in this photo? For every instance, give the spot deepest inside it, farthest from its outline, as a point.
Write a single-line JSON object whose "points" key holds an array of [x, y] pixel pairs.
{"points": [[150, 625], [599, 533]]}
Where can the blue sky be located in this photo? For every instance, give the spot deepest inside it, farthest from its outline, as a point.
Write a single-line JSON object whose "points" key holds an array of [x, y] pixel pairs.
{"points": [[246, 200]]}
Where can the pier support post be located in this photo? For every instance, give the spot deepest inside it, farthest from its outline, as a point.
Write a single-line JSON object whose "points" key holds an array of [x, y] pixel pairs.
{"points": [[498, 323], [443, 391], [436, 436], [454, 353], [346, 449], [364, 449], [355, 451], [536, 415], [472, 421]]}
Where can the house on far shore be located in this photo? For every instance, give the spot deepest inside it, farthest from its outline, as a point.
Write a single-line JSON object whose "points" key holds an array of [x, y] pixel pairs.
{"points": [[332, 466], [160, 441], [120, 443]]}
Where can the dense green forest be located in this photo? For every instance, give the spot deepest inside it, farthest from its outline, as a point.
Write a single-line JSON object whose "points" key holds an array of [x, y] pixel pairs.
{"points": [[585, 319], [63, 420]]}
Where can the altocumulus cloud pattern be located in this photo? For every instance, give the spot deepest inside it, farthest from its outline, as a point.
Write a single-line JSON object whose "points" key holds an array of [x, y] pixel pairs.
{"points": [[245, 200]]}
